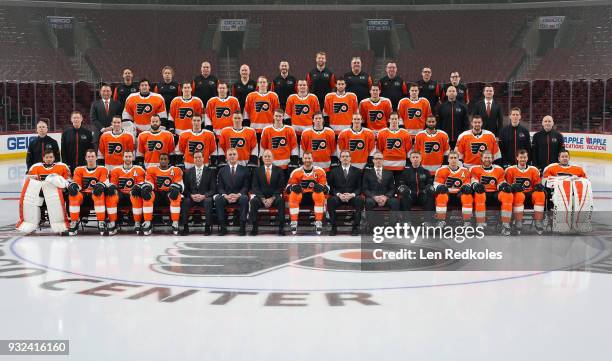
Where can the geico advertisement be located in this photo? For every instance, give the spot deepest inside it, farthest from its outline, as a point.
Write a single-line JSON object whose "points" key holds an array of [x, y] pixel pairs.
{"points": [[18, 143]]}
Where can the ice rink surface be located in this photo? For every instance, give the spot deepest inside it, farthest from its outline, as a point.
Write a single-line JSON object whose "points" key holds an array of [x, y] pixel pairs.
{"points": [[270, 298]]}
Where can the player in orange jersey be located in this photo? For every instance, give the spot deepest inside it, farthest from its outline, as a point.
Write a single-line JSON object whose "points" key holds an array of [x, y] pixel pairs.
{"points": [[219, 110], [452, 183], [243, 139], [487, 181], [184, 108], [260, 105], [359, 141], [40, 171], [301, 107], [113, 144], [281, 140], [375, 110], [433, 145], [162, 187], [414, 110], [528, 190], [196, 140], [473, 142], [563, 167], [152, 143], [140, 107], [394, 143], [340, 106], [321, 142], [88, 186], [308, 183], [124, 190]]}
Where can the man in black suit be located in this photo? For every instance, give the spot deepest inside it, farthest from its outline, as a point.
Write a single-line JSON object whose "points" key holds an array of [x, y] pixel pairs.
{"points": [[102, 112], [345, 188], [200, 187], [232, 188], [267, 186], [490, 111], [379, 186]]}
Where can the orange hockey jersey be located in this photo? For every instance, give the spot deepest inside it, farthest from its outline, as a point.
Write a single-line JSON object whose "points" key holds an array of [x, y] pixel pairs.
{"points": [[528, 177], [394, 145], [322, 145], [87, 178], [41, 170], [244, 140], [190, 142], [219, 112], [471, 146], [307, 179], [453, 179], [301, 110], [433, 148], [414, 114], [112, 146], [360, 144], [556, 169], [161, 179], [151, 145], [125, 179], [376, 115], [140, 109], [340, 110], [183, 110], [259, 109], [489, 177], [282, 142]]}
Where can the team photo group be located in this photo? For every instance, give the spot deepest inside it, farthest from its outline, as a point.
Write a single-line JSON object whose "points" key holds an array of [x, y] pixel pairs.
{"points": [[296, 149]]}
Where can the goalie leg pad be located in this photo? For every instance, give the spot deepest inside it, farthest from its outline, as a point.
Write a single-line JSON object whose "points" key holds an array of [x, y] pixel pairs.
{"points": [[582, 205], [29, 206], [56, 207]]}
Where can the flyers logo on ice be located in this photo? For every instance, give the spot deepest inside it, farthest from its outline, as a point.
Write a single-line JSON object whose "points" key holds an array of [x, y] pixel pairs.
{"points": [[340, 108], [356, 144], [393, 143], [414, 113], [222, 112], [452, 182], [278, 142], [89, 182], [478, 147], [126, 183], [237, 142], [488, 180], [143, 108], [319, 144], [115, 148], [302, 109], [154, 145], [163, 182], [185, 113], [375, 115], [262, 106], [526, 182], [195, 146], [432, 147]]}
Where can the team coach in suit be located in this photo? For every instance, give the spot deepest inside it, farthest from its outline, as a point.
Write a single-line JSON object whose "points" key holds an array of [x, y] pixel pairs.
{"points": [[102, 112], [200, 187], [232, 188], [267, 185]]}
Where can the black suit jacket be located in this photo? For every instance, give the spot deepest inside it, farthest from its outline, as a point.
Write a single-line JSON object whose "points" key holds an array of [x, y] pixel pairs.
{"points": [[99, 118], [493, 122], [260, 186], [207, 186], [239, 183], [371, 186], [339, 184]]}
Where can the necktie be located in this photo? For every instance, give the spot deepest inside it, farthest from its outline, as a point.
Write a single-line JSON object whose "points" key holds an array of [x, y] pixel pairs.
{"points": [[106, 106], [198, 176], [379, 175], [345, 173], [233, 171], [268, 174], [488, 108]]}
